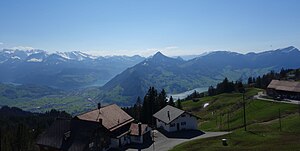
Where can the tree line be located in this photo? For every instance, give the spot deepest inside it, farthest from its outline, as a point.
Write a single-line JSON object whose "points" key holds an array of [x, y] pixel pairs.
{"points": [[153, 101], [226, 86], [19, 129], [284, 74]]}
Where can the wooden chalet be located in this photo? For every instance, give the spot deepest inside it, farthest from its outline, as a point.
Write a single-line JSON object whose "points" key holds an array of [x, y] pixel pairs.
{"points": [[100, 129], [284, 89], [73, 135]]}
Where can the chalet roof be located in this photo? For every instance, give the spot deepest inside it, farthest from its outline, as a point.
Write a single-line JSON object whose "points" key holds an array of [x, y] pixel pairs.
{"points": [[173, 114], [134, 129], [79, 131], [290, 86], [54, 135], [113, 117]]}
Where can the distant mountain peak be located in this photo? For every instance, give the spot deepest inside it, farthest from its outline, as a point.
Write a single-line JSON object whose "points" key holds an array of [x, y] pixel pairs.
{"points": [[288, 49], [158, 54]]}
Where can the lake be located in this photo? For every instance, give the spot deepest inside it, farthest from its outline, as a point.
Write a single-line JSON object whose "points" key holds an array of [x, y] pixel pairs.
{"points": [[186, 93]]}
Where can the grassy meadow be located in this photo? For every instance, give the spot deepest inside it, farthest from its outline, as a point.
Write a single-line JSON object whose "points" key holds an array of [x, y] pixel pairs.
{"points": [[225, 113]]}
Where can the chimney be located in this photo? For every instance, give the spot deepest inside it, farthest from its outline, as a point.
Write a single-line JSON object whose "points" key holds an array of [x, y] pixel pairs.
{"points": [[100, 121], [140, 128], [169, 115], [99, 106]]}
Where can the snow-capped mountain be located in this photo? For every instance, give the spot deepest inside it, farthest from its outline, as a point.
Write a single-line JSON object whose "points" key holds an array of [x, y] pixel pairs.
{"points": [[60, 69], [76, 55]]}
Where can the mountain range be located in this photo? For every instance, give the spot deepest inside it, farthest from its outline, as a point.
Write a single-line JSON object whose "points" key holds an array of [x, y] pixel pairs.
{"points": [[177, 75], [64, 70], [121, 79]]}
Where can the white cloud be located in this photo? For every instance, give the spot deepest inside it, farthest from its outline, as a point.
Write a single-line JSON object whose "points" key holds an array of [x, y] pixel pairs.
{"points": [[168, 50], [1, 43], [22, 48], [171, 47]]}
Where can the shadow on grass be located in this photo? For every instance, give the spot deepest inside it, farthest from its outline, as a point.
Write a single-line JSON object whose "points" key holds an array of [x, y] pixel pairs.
{"points": [[256, 133], [184, 134]]}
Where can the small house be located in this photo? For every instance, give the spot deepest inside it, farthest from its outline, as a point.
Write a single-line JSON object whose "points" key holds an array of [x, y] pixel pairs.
{"points": [[284, 89], [120, 125], [139, 133], [172, 119]]}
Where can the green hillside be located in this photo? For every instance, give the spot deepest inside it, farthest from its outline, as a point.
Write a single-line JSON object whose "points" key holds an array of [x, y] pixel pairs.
{"points": [[263, 130], [41, 98]]}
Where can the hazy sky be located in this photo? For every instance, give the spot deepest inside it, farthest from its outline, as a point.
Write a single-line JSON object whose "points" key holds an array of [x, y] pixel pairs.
{"points": [[175, 27]]}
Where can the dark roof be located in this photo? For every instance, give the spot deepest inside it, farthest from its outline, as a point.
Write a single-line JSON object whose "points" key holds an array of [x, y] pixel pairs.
{"points": [[80, 134], [113, 117], [163, 114], [134, 129], [54, 135], [290, 86]]}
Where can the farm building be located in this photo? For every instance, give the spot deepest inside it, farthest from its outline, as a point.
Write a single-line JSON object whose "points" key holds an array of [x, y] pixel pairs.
{"points": [[72, 134], [101, 129], [173, 119], [284, 89]]}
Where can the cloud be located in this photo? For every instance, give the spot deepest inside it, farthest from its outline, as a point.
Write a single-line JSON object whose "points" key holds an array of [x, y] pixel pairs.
{"points": [[1, 43], [168, 50], [171, 47], [22, 48]]}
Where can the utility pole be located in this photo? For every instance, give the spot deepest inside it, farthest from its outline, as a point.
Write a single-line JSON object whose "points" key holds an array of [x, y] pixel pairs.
{"points": [[228, 121], [279, 120], [299, 107], [220, 121], [244, 106]]}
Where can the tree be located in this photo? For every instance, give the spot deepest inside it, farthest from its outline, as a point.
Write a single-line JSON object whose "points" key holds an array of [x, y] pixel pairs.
{"points": [[258, 82], [171, 101], [178, 104], [138, 109], [239, 87], [211, 91], [282, 73], [162, 99], [250, 80], [297, 74]]}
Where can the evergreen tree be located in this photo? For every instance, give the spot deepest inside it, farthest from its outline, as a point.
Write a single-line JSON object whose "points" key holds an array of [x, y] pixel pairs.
{"points": [[211, 91], [162, 99], [282, 73], [250, 80], [171, 101], [240, 87], [254, 80], [145, 110], [178, 104], [138, 109], [258, 82], [297, 74]]}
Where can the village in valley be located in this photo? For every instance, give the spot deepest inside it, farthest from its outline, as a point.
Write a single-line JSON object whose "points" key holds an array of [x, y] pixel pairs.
{"points": [[111, 128]]}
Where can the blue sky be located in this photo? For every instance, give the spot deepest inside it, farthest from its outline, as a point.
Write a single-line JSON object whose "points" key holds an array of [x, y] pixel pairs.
{"points": [[175, 27]]}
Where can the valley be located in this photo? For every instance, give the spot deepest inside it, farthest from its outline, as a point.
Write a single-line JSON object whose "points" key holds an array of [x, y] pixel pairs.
{"points": [[70, 81]]}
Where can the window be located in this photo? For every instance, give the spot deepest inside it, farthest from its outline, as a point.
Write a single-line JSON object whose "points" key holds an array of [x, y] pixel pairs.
{"points": [[183, 123], [67, 135], [172, 125], [91, 145]]}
